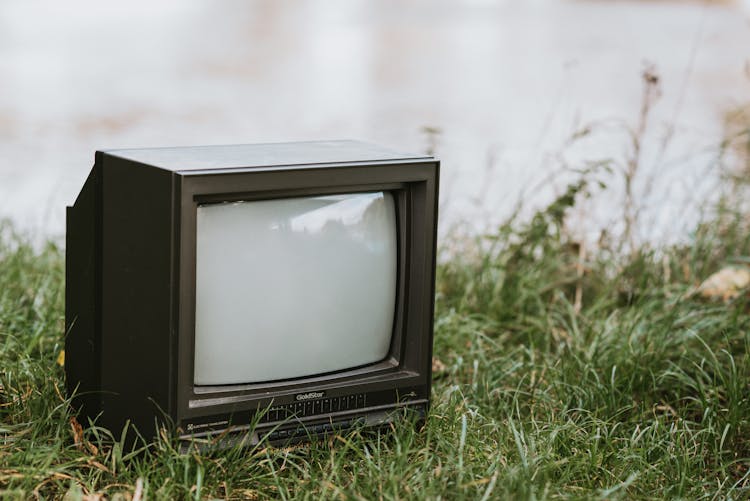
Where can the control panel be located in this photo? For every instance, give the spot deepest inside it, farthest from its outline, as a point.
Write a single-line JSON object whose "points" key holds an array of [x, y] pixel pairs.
{"points": [[314, 407]]}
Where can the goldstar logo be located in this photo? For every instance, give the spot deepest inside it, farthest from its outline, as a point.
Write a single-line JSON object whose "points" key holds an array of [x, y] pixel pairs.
{"points": [[309, 395]]}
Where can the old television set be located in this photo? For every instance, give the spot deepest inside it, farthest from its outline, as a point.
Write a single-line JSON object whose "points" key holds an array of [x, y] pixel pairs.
{"points": [[269, 291]]}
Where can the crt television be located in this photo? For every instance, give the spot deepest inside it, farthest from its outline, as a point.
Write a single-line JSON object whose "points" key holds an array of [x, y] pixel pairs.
{"points": [[264, 291]]}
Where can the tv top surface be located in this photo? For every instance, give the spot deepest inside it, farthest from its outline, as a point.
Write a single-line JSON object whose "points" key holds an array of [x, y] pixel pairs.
{"points": [[269, 155]]}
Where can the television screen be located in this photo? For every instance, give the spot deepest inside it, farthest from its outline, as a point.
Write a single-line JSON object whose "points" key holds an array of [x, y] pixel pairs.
{"points": [[293, 287]]}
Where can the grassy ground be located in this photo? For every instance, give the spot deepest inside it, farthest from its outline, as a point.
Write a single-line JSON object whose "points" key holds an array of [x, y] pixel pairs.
{"points": [[558, 373]]}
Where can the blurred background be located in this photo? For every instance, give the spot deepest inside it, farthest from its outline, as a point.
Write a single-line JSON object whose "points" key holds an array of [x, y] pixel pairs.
{"points": [[514, 96]]}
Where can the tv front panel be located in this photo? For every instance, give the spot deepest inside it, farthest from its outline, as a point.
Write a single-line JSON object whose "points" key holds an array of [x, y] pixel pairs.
{"points": [[293, 287], [267, 292]]}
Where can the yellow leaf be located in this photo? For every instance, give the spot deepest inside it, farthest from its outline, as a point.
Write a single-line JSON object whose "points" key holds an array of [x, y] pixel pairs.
{"points": [[725, 284], [61, 358]]}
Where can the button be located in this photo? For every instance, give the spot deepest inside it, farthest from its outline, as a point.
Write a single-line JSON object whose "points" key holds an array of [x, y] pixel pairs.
{"points": [[352, 402], [326, 405], [335, 404], [316, 407], [360, 400], [299, 409], [308, 408]]}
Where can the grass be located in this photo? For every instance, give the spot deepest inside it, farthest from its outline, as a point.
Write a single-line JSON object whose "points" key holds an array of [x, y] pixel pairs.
{"points": [[558, 374]]}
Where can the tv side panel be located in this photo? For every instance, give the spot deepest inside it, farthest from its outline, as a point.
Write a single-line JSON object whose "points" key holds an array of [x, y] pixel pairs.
{"points": [[137, 252], [82, 295]]}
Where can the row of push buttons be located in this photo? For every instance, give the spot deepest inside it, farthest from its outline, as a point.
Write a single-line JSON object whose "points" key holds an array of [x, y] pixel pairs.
{"points": [[313, 407]]}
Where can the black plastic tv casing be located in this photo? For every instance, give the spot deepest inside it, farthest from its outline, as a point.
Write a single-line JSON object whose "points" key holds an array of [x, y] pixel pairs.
{"points": [[130, 290]]}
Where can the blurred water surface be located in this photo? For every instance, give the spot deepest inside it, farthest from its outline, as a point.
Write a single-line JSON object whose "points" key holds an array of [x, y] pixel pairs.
{"points": [[505, 82]]}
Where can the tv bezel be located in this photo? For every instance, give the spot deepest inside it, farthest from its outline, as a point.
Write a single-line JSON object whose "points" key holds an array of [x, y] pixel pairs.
{"points": [[408, 362]]}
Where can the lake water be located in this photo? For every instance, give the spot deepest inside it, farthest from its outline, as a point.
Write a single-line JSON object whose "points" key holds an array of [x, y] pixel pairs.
{"points": [[505, 83]]}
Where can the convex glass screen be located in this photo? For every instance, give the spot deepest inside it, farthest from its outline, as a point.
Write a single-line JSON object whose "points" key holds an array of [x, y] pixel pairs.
{"points": [[293, 287]]}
